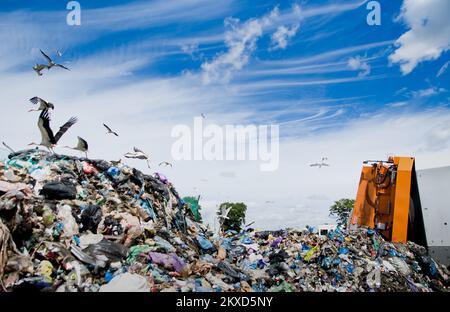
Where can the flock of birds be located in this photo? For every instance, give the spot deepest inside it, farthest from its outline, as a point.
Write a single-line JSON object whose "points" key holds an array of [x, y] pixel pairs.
{"points": [[50, 140]]}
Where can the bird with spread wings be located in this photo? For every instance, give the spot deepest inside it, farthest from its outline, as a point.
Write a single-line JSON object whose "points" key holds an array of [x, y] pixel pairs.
{"points": [[48, 139], [51, 63], [110, 130]]}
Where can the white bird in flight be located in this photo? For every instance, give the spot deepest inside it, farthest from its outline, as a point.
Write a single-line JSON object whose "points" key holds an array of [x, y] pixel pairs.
{"points": [[42, 104], [223, 215], [320, 164], [82, 146], [138, 154]]}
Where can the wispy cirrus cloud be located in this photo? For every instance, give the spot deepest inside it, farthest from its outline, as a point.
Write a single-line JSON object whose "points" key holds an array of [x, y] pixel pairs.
{"points": [[130, 68], [359, 64], [427, 92], [329, 55], [282, 35], [240, 40], [443, 69], [437, 138], [262, 84], [139, 14]]}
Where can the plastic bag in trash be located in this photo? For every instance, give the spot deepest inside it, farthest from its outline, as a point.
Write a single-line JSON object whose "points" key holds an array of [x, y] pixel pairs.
{"points": [[169, 261], [126, 282], [59, 190], [101, 254], [91, 217], [204, 243]]}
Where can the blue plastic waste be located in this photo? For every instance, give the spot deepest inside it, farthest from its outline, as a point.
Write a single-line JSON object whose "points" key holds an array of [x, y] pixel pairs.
{"points": [[258, 287], [164, 244], [326, 262], [204, 243], [343, 250], [433, 269], [261, 264], [113, 171], [108, 276], [311, 229], [76, 239], [392, 253], [148, 207]]}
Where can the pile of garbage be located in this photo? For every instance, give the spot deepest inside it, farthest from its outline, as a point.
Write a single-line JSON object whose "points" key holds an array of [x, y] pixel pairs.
{"points": [[75, 224]]}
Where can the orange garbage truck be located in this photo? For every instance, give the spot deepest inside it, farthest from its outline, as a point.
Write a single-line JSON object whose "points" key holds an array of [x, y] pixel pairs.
{"points": [[405, 205]]}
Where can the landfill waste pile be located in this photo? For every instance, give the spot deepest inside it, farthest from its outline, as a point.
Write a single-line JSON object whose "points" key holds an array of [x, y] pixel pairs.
{"points": [[71, 224]]}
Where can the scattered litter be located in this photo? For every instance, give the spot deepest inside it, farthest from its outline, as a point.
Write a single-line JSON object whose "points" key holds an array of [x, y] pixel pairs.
{"points": [[72, 225]]}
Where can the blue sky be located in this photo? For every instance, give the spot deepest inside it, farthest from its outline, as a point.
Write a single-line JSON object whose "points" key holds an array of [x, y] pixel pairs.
{"points": [[316, 68], [272, 79]]}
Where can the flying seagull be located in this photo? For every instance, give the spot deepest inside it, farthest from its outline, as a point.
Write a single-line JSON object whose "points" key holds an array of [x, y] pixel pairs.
{"points": [[223, 214], [6, 145], [203, 115], [82, 146], [38, 68], [138, 154], [51, 63], [42, 104], [166, 163], [110, 131], [47, 138], [321, 163]]}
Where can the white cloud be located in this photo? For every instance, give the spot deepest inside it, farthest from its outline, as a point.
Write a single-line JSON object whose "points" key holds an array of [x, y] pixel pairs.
{"points": [[443, 69], [190, 48], [140, 14], [357, 63], [300, 201], [437, 138], [428, 35], [282, 35], [397, 104], [228, 174], [427, 92], [329, 55], [240, 40], [158, 104], [101, 87]]}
